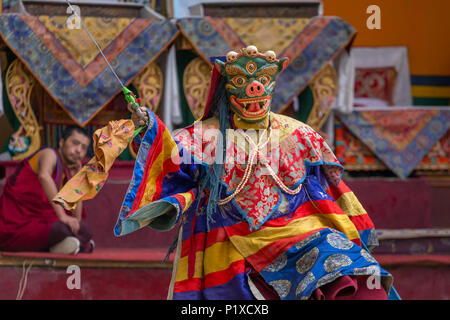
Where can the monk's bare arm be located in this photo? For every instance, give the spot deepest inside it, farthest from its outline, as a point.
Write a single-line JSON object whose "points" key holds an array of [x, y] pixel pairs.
{"points": [[46, 164], [78, 211]]}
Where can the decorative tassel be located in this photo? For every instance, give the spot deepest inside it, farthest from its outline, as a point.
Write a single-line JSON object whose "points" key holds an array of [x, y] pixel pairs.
{"points": [[212, 179], [173, 245]]}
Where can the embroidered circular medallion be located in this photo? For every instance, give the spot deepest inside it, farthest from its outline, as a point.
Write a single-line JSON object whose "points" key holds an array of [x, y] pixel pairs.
{"points": [[368, 256], [306, 281], [307, 261], [304, 242], [372, 238], [277, 265], [205, 28], [336, 261], [329, 277], [282, 287], [366, 270], [339, 242]]}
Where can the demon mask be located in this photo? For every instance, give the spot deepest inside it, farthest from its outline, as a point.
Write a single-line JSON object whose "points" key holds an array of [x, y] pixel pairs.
{"points": [[250, 81]]}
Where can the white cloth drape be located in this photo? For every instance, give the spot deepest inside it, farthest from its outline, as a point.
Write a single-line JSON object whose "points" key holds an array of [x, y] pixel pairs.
{"points": [[345, 69], [171, 102]]}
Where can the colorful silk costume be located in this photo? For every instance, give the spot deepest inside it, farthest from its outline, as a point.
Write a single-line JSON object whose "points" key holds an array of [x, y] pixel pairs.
{"points": [[298, 227]]}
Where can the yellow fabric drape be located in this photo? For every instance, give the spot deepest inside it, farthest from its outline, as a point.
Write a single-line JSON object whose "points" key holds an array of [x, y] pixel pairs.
{"points": [[109, 143]]}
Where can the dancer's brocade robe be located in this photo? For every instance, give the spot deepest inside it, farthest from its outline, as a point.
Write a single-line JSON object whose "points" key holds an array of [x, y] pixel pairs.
{"points": [[297, 243]]}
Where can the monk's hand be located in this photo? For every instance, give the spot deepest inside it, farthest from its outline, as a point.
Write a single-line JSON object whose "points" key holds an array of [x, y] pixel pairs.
{"points": [[74, 168], [137, 120], [72, 223]]}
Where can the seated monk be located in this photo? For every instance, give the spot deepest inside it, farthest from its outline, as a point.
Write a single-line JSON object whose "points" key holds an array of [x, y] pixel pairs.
{"points": [[29, 221]]}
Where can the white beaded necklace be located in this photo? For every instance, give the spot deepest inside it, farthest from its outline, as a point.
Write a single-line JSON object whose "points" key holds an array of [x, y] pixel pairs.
{"points": [[248, 170]]}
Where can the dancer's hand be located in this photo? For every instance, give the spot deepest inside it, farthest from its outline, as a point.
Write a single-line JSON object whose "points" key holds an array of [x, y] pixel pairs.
{"points": [[137, 120]]}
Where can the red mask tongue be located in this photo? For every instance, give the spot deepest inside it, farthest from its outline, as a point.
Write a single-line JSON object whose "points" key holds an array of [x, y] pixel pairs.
{"points": [[253, 107]]}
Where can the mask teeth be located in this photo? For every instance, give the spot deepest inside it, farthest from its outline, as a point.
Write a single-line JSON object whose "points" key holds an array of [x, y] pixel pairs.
{"points": [[261, 103]]}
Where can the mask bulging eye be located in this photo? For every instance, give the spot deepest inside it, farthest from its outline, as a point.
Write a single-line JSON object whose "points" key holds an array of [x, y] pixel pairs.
{"points": [[239, 81], [265, 79]]}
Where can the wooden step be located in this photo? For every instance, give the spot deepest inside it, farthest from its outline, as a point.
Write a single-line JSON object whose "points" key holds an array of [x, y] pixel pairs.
{"points": [[139, 274], [100, 258]]}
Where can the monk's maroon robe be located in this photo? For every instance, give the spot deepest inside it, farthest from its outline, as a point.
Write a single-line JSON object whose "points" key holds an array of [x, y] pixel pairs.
{"points": [[26, 215]]}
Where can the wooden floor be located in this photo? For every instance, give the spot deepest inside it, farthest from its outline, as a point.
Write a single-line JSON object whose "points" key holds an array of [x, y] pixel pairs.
{"points": [[139, 275], [412, 215]]}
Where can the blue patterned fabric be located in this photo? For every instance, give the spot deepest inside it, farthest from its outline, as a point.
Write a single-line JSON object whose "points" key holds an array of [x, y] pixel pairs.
{"points": [[25, 36], [311, 50], [317, 260], [311, 60], [400, 138]]}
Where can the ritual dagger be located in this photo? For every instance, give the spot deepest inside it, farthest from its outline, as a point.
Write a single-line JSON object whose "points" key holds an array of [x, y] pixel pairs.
{"points": [[129, 96]]}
